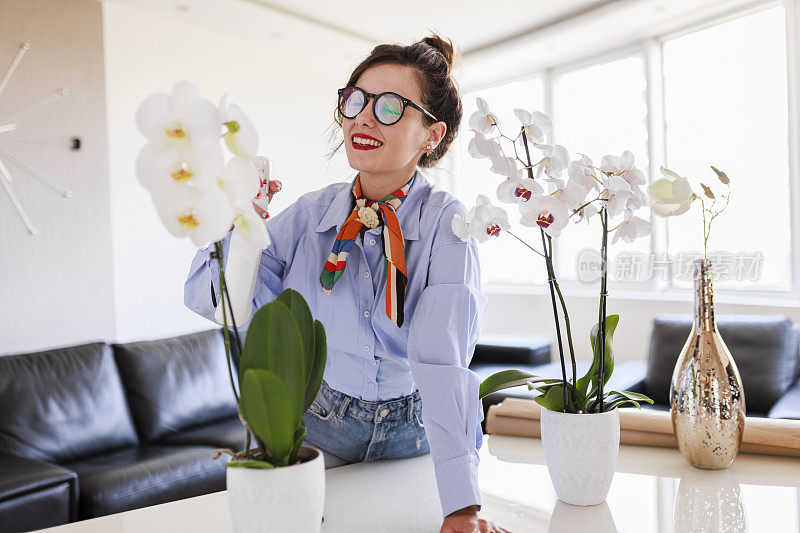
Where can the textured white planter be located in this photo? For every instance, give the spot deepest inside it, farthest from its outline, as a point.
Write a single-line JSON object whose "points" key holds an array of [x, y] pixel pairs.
{"points": [[580, 451], [288, 498]]}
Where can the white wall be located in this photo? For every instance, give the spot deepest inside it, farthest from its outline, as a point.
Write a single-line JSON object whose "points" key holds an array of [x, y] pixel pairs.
{"points": [[55, 287], [286, 87]]}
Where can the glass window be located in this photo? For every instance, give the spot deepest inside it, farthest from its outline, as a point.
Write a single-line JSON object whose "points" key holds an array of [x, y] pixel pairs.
{"points": [[503, 260], [726, 105], [600, 110]]}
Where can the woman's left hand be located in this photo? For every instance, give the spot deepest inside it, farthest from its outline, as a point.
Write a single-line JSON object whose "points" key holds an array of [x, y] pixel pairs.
{"points": [[466, 520]]}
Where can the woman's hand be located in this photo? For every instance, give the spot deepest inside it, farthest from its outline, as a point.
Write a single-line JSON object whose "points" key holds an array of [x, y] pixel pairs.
{"points": [[466, 520]]}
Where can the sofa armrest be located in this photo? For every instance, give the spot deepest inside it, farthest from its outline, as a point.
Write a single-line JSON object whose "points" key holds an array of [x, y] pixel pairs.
{"points": [[788, 406], [511, 349], [35, 494]]}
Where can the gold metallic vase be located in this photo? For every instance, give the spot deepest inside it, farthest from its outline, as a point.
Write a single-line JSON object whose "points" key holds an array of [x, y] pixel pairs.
{"points": [[706, 394]]}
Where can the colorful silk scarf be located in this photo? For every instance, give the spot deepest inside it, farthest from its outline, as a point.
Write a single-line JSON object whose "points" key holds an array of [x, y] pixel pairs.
{"points": [[366, 213]]}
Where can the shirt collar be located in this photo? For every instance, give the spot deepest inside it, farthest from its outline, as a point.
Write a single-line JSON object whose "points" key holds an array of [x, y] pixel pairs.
{"points": [[408, 214]]}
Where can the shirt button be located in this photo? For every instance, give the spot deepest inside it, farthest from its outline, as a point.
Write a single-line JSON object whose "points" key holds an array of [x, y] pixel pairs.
{"points": [[374, 362], [384, 412], [365, 274], [372, 242], [371, 385], [366, 348], [366, 314]]}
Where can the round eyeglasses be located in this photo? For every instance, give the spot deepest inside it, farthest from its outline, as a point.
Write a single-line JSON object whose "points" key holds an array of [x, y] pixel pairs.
{"points": [[387, 107]]}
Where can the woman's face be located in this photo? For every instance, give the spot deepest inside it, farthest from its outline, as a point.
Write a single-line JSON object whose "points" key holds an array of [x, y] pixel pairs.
{"points": [[404, 141]]}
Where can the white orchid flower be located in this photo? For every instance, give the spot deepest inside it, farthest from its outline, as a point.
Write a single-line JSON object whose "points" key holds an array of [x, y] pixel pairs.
{"points": [[251, 227], [241, 185], [623, 166], [617, 192], [483, 120], [180, 119], [480, 147], [203, 214], [571, 195], [241, 137], [536, 124], [631, 229], [171, 171], [505, 166], [546, 212], [586, 212], [240, 182], [639, 198], [671, 195], [555, 161], [483, 221], [517, 189], [581, 171]]}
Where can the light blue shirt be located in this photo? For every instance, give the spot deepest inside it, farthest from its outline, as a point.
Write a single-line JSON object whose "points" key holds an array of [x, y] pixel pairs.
{"points": [[369, 357]]}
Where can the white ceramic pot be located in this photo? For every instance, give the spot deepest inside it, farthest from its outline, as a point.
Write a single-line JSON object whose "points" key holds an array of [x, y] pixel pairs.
{"points": [[580, 451], [287, 498]]}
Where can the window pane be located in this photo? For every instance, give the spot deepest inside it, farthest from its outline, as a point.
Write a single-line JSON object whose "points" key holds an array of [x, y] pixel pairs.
{"points": [[600, 110], [503, 260], [726, 105]]}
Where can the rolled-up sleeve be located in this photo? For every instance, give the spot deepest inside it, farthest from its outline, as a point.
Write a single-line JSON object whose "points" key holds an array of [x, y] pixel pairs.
{"points": [[442, 337], [201, 291]]}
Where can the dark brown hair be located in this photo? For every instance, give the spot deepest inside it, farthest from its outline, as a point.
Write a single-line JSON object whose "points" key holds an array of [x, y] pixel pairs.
{"points": [[432, 57]]}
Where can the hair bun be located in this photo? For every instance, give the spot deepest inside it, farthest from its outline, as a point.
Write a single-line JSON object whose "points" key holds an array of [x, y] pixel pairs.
{"points": [[445, 47]]}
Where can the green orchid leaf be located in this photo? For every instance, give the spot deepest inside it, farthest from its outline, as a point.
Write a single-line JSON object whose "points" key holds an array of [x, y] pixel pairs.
{"points": [[317, 368], [593, 374], [274, 343], [619, 401], [552, 397], [305, 323], [299, 435], [507, 378], [632, 395], [268, 410]]}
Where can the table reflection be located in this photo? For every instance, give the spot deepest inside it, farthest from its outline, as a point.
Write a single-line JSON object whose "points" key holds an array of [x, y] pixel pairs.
{"points": [[709, 501], [654, 490]]}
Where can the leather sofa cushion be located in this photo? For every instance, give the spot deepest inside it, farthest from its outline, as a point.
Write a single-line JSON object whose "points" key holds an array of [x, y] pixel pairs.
{"points": [[35, 495], [176, 383], [226, 433], [140, 477], [764, 347], [63, 404]]}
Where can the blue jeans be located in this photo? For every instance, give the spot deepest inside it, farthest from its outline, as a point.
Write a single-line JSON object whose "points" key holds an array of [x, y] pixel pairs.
{"points": [[350, 430]]}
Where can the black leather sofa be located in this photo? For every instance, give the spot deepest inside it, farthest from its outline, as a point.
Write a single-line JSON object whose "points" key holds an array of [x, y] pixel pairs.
{"points": [[766, 349], [99, 428]]}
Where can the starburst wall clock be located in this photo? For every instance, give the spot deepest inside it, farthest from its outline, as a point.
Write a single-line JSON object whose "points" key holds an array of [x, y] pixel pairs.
{"points": [[8, 125]]}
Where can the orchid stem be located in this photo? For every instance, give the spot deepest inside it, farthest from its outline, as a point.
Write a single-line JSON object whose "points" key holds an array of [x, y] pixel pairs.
{"points": [[551, 279], [569, 332], [225, 332], [526, 244]]}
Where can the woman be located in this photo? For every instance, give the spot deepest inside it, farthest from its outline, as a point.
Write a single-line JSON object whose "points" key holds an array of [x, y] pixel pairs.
{"points": [[397, 292]]}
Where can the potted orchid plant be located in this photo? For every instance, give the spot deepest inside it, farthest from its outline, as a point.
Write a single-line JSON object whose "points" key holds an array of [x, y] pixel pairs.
{"points": [[279, 484], [581, 466]]}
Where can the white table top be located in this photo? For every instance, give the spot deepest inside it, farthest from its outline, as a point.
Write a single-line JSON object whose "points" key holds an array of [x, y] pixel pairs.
{"points": [[654, 490]]}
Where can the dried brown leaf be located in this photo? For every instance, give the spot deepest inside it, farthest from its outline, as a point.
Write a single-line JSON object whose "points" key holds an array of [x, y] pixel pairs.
{"points": [[721, 175], [707, 191]]}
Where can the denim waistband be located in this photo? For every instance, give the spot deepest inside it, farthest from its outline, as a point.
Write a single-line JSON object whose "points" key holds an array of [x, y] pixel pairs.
{"points": [[396, 408]]}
